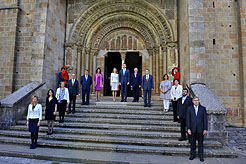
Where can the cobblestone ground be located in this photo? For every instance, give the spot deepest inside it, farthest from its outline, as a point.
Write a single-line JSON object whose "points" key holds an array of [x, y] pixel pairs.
{"points": [[14, 160], [237, 139]]}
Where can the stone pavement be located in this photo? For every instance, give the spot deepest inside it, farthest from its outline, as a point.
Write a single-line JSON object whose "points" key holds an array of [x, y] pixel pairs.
{"points": [[237, 139]]}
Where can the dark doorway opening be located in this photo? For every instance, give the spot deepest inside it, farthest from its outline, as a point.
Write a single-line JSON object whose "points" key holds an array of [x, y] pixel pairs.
{"points": [[133, 60], [112, 60]]}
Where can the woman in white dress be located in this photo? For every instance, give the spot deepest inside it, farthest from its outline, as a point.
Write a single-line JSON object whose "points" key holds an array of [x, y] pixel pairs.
{"points": [[114, 83]]}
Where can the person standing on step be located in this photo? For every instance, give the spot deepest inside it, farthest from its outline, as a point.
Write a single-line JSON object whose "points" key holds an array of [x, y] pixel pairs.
{"points": [[135, 84], [98, 79], [197, 125], [124, 78], [147, 86], [73, 88], [176, 93], [165, 94], [34, 116], [65, 75], [114, 83], [62, 95], [182, 105], [60, 78], [176, 74], [50, 110], [86, 81]]}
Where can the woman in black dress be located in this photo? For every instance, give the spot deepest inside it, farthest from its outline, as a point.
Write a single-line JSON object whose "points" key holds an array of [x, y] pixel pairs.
{"points": [[34, 116], [50, 110]]}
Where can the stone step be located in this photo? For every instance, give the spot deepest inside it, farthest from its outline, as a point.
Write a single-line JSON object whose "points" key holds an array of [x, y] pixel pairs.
{"points": [[122, 111], [120, 121], [121, 116], [109, 139], [106, 132], [111, 126], [116, 147]]}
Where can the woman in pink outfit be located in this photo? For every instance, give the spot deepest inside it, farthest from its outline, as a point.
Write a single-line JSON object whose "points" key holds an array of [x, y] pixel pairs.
{"points": [[98, 79]]}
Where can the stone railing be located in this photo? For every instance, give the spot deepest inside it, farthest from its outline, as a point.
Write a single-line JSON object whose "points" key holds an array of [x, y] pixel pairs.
{"points": [[215, 110], [14, 106]]}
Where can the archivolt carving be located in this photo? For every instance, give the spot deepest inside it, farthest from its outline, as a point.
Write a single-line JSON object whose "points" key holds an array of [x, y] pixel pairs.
{"points": [[105, 7]]}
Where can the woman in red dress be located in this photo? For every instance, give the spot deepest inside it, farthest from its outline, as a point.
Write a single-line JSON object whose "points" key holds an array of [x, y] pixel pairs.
{"points": [[176, 74], [65, 75]]}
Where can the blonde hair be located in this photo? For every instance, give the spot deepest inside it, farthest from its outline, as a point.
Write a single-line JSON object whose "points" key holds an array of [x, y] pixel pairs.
{"points": [[32, 100]]}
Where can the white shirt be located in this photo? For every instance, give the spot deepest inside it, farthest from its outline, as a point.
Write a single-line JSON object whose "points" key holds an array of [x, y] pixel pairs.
{"points": [[66, 96], [176, 92], [86, 77], [34, 113], [183, 99], [73, 80], [196, 109], [147, 77]]}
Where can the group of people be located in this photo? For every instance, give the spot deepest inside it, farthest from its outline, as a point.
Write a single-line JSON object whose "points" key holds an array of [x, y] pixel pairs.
{"points": [[187, 111]]}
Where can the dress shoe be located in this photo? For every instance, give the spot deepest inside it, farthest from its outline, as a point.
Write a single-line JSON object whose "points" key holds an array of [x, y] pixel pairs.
{"points": [[133, 101], [145, 105], [68, 112], [182, 139], [149, 105], [73, 112], [32, 146], [125, 100], [121, 100], [191, 157], [201, 158], [82, 103]]}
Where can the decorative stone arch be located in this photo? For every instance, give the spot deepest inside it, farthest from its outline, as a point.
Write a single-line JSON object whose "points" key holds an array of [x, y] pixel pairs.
{"points": [[105, 7]]}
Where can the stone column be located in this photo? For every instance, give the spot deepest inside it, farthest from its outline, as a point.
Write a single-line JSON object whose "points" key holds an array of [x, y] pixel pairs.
{"points": [[157, 71], [154, 69], [87, 58], [123, 57], [78, 74], [82, 61], [161, 63], [165, 60]]}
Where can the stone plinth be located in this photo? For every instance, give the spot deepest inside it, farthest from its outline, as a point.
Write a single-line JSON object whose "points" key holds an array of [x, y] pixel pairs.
{"points": [[216, 113], [14, 106]]}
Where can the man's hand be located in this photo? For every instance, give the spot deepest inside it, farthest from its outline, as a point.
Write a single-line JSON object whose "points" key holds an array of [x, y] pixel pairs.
{"points": [[131, 86], [119, 83], [54, 113], [27, 123], [139, 86], [204, 132], [128, 83], [178, 117], [189, 131], [38, 123], [142, 89], [152, 89]]}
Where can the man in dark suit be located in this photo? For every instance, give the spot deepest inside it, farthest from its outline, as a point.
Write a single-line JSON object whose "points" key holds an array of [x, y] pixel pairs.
{"points": [[124, 78], [73, 88], [86, 81], [197, 125], [60, 78], [135, 84], [147, 86], [182, 105]]}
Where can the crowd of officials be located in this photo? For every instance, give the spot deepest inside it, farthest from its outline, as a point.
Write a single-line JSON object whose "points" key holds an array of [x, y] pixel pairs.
{"points": [[187, 111]]}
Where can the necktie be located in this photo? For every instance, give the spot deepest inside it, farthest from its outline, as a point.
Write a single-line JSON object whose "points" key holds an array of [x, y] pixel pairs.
{"points": [[147, 77], [73, 81], [196, 110], [86, 77], [183, 99]]}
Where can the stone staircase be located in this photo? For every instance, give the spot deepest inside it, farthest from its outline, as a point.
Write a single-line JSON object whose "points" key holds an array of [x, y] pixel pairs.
{"points": [[114, 127]]}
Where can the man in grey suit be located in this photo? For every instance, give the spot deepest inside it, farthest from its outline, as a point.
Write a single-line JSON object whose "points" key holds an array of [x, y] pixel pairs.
{"points": [[147, 87], [124, 78]]}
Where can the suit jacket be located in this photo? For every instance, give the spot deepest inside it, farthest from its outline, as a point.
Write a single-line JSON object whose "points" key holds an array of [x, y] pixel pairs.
{"points": [[136, 81], [86, 83], [73, 89], [147, 85], [197, 123], [182, 108], [125, 78]]}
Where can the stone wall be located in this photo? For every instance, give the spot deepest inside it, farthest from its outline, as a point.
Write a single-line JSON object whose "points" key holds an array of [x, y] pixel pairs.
{"points": [[8, 26]]}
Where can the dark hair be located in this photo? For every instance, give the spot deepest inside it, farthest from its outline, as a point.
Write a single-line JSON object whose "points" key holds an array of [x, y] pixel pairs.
{"points": [[53, 93], [147, 69], [185, 89], [124, 63], [87, 70], [175, 80], [98, 69], [62, 68], [164, 76]]}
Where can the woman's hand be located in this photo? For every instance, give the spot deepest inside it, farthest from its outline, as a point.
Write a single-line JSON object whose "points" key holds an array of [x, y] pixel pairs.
{"points": [[54, 112], [27, 123], [38, 123]]}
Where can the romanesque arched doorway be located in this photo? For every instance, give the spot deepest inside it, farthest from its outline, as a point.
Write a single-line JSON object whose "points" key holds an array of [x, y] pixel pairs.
{"points": [[123, 27]]}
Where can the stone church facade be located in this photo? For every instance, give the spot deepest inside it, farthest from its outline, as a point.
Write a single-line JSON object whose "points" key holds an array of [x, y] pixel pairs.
{"points": [[205, 38]]}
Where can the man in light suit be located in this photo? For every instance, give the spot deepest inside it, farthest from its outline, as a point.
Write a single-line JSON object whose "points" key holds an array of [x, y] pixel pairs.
{"points": [[135, 84], [73, 87], [147, 87], [86, 81], [197, 125], [182, 105], [124, 78]]}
